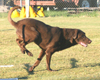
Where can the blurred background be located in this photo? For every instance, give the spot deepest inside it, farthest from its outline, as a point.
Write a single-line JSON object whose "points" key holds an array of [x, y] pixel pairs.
{"points": [[70, 6], [54, 4]]}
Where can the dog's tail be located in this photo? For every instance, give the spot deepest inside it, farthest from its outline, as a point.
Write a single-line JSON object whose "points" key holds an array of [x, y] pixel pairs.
{"points": [[9, 15]]}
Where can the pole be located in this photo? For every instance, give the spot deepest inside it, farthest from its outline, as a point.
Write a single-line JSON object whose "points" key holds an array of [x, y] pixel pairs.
{"points": [[27, 3], [20, 3], [3, 2]]}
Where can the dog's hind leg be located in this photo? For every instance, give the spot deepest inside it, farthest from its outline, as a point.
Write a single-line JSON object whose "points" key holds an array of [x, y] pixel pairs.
{"points": [[42, 53], [22, 46], [20, 43], [25, 36]]}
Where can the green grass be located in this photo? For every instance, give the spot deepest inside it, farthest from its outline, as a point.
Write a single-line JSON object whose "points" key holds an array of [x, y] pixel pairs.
{"points": [[75, 63], [66, 14], [3, 15], [62, 13]]}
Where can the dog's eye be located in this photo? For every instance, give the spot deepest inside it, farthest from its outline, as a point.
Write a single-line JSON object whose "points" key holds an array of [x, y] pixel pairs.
{"points": [[83, 36]]}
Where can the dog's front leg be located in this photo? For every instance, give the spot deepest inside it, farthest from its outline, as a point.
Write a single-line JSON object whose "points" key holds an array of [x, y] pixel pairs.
{"points": [[49, 52], [42, 53], [48, 60]]}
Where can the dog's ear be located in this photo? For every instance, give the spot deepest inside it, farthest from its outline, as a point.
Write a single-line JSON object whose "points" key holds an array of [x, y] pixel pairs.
{"points": [[65, 33], [70, 34], [71, 40], [75, 34]]}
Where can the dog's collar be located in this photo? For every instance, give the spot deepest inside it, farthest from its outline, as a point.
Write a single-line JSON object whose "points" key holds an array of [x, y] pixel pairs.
{"points": [[39, 59]]}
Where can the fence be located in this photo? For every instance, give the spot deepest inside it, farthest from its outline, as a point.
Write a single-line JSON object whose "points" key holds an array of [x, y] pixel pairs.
{"points": [[55, 5]]}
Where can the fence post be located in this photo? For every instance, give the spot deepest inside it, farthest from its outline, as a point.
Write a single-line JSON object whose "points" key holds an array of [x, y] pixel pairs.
{"points": [[27, 3], [21, 3], [3, 2]]}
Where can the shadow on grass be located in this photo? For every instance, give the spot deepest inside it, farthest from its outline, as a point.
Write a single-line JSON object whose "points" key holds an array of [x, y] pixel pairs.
{"points": [[27, 66], [29, 73], [6, 30], [73, 63], [91, 65]]}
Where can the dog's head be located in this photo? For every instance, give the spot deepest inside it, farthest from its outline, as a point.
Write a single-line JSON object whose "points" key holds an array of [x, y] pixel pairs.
{"points": [[82, 39], [77, 35]]}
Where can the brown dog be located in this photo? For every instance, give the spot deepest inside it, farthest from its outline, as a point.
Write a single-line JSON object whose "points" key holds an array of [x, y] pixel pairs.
{"points": [[49, 39]]}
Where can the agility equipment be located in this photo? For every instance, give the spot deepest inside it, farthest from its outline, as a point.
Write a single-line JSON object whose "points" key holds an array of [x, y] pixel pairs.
{"points": [[32, 12], [15, 14], [23, 13], [40, 12]]}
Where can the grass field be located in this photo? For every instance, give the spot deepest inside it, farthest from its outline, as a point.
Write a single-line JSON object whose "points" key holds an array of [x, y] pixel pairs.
{"points": [[75, 63]]}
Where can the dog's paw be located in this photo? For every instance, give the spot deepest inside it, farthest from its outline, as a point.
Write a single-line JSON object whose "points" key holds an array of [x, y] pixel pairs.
{"points": [[23, 51], [29, 53], [30, 69]]}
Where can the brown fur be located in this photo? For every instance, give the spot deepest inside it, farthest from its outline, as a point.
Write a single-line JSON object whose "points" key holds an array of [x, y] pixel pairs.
{"points": [[49, 39]]}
